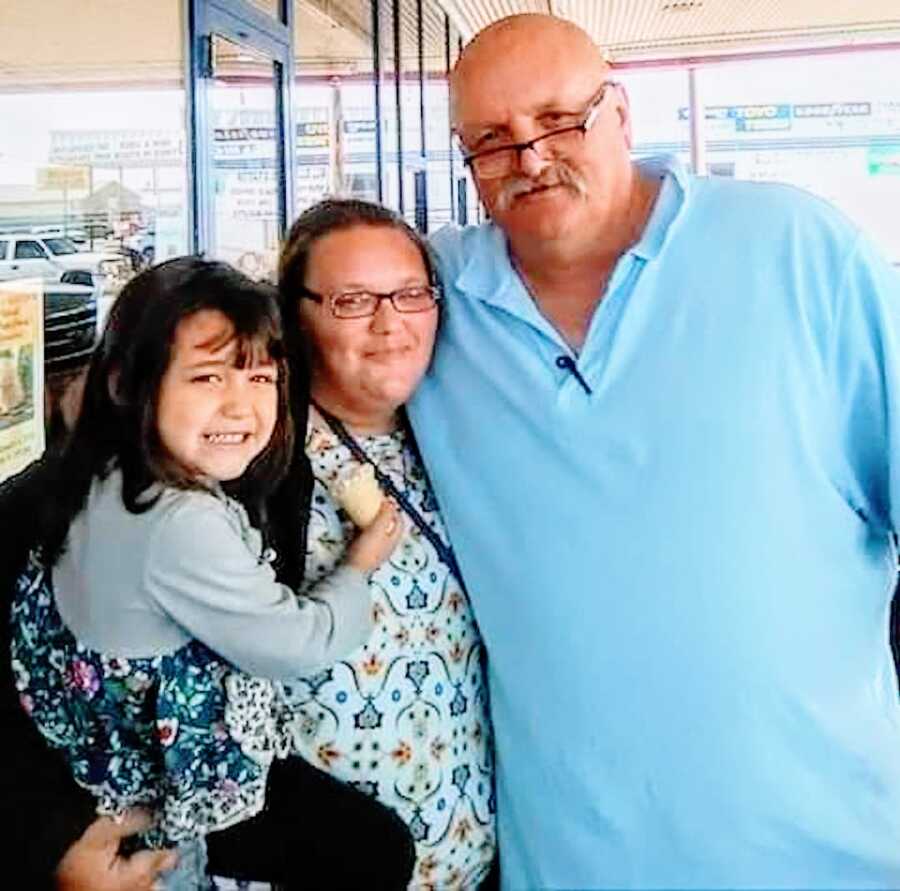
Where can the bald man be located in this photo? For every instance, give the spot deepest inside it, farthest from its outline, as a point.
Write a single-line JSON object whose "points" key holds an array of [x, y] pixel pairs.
{"points": [[663, 425]]}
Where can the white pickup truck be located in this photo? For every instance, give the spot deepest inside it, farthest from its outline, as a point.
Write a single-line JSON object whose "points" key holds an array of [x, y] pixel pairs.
{"points": [[57, 258]]}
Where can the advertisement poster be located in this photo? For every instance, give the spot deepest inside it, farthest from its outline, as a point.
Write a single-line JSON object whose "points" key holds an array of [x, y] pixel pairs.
{"points": [[21, 374]]}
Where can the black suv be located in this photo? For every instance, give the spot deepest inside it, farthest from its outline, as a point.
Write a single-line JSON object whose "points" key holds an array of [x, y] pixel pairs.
{"points": [[70, 333], [70, 327]]}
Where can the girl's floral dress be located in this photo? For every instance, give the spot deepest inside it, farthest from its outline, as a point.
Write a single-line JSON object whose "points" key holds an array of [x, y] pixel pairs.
{"points": [[183, 733]]}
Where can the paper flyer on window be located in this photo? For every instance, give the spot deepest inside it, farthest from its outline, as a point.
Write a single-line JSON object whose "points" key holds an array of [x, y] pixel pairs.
{"points": [[21, 374]]}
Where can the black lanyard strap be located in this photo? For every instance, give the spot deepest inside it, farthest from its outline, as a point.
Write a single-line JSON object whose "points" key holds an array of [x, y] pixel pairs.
{"points": [[444, 551]]}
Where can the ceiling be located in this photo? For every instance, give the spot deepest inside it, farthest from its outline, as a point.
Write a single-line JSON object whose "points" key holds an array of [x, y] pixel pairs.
{"points": [[96, 42], [632, 30]]}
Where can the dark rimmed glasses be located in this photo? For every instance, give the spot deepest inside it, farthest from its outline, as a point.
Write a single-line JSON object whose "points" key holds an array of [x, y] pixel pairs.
{"points": [[359, 304], [492, 163]]}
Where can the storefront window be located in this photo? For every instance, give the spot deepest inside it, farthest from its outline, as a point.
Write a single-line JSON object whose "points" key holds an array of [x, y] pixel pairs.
{"points": [[412, 114], [334, 101], [437, 115], [658, 100], [829, 124], [393, 194], [245, 212], [93, 143], [466, 206], [93, 173]]}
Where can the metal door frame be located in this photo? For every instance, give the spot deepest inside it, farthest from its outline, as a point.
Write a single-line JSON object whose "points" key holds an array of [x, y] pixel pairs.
{"points": [[243, 23]]}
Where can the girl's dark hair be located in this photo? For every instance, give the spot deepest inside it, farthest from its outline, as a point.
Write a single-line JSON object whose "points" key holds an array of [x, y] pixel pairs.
{"points": [[117, 424], [334, 215]]}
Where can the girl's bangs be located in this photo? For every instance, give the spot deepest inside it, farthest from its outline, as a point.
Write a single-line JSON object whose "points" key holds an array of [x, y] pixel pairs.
{"points": [[256, 328], [257, 348]]}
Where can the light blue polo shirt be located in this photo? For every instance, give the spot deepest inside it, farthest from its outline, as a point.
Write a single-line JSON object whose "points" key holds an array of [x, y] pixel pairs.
{"points": [[683, 577]]}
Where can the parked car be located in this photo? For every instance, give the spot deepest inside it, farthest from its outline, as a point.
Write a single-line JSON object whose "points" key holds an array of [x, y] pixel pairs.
{"points": [[70, 335], [78, 236], [26, 255], [70, 326], [144, 243]]}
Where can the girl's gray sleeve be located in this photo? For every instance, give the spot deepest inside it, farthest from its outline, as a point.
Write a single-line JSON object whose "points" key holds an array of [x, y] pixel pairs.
{"points": [[202, 575]]}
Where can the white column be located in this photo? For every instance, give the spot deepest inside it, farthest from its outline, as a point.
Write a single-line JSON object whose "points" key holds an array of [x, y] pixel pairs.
{"points": [[698, 122]]}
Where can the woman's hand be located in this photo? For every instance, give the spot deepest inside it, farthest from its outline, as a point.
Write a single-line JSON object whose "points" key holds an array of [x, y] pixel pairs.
{"points": [[93, 862], [377, 541]]}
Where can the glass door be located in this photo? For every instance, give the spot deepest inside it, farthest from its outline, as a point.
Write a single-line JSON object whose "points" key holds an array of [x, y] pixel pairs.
{"points": [[246, 225], [242, 126]]}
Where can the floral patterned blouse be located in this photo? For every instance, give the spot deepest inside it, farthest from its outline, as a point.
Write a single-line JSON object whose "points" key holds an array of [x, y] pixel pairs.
{"points": [[404, 717]]}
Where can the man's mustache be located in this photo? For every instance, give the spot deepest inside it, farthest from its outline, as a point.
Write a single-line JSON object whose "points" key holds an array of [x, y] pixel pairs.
{"points": [[557, 174]]}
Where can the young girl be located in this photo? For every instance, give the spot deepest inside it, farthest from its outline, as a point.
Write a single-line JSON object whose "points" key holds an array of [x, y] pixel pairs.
{"points": [[150, 658]]}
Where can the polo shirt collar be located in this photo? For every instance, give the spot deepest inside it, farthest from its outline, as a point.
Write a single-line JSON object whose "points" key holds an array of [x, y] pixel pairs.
{"points": [[488, 273], [670, 202]]}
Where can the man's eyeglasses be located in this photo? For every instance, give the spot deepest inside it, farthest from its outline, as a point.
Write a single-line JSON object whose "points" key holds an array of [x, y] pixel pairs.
{"points": [[492, 163], [359, 304]]}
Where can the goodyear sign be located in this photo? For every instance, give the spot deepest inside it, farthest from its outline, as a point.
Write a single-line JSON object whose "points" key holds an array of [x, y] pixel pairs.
{"points": [[833, 110]]}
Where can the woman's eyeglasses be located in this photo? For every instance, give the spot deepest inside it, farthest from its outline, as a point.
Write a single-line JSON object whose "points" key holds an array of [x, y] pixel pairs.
{"points": [[359, 304], [492, 163]]}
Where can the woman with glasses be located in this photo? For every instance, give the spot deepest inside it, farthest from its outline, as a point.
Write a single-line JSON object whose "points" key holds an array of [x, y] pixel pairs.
{"points": [[404, 717]]}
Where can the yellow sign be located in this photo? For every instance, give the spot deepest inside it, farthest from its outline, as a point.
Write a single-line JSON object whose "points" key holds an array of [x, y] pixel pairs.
{"points": [[21, 374], [61, 178]]}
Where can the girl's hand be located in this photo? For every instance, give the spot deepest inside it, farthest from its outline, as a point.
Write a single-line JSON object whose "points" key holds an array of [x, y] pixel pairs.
{"points": [[377, 541]]}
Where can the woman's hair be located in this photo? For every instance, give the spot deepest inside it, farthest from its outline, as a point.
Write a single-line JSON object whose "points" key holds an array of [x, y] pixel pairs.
{"points": [[117, 425], [335, 215]]}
